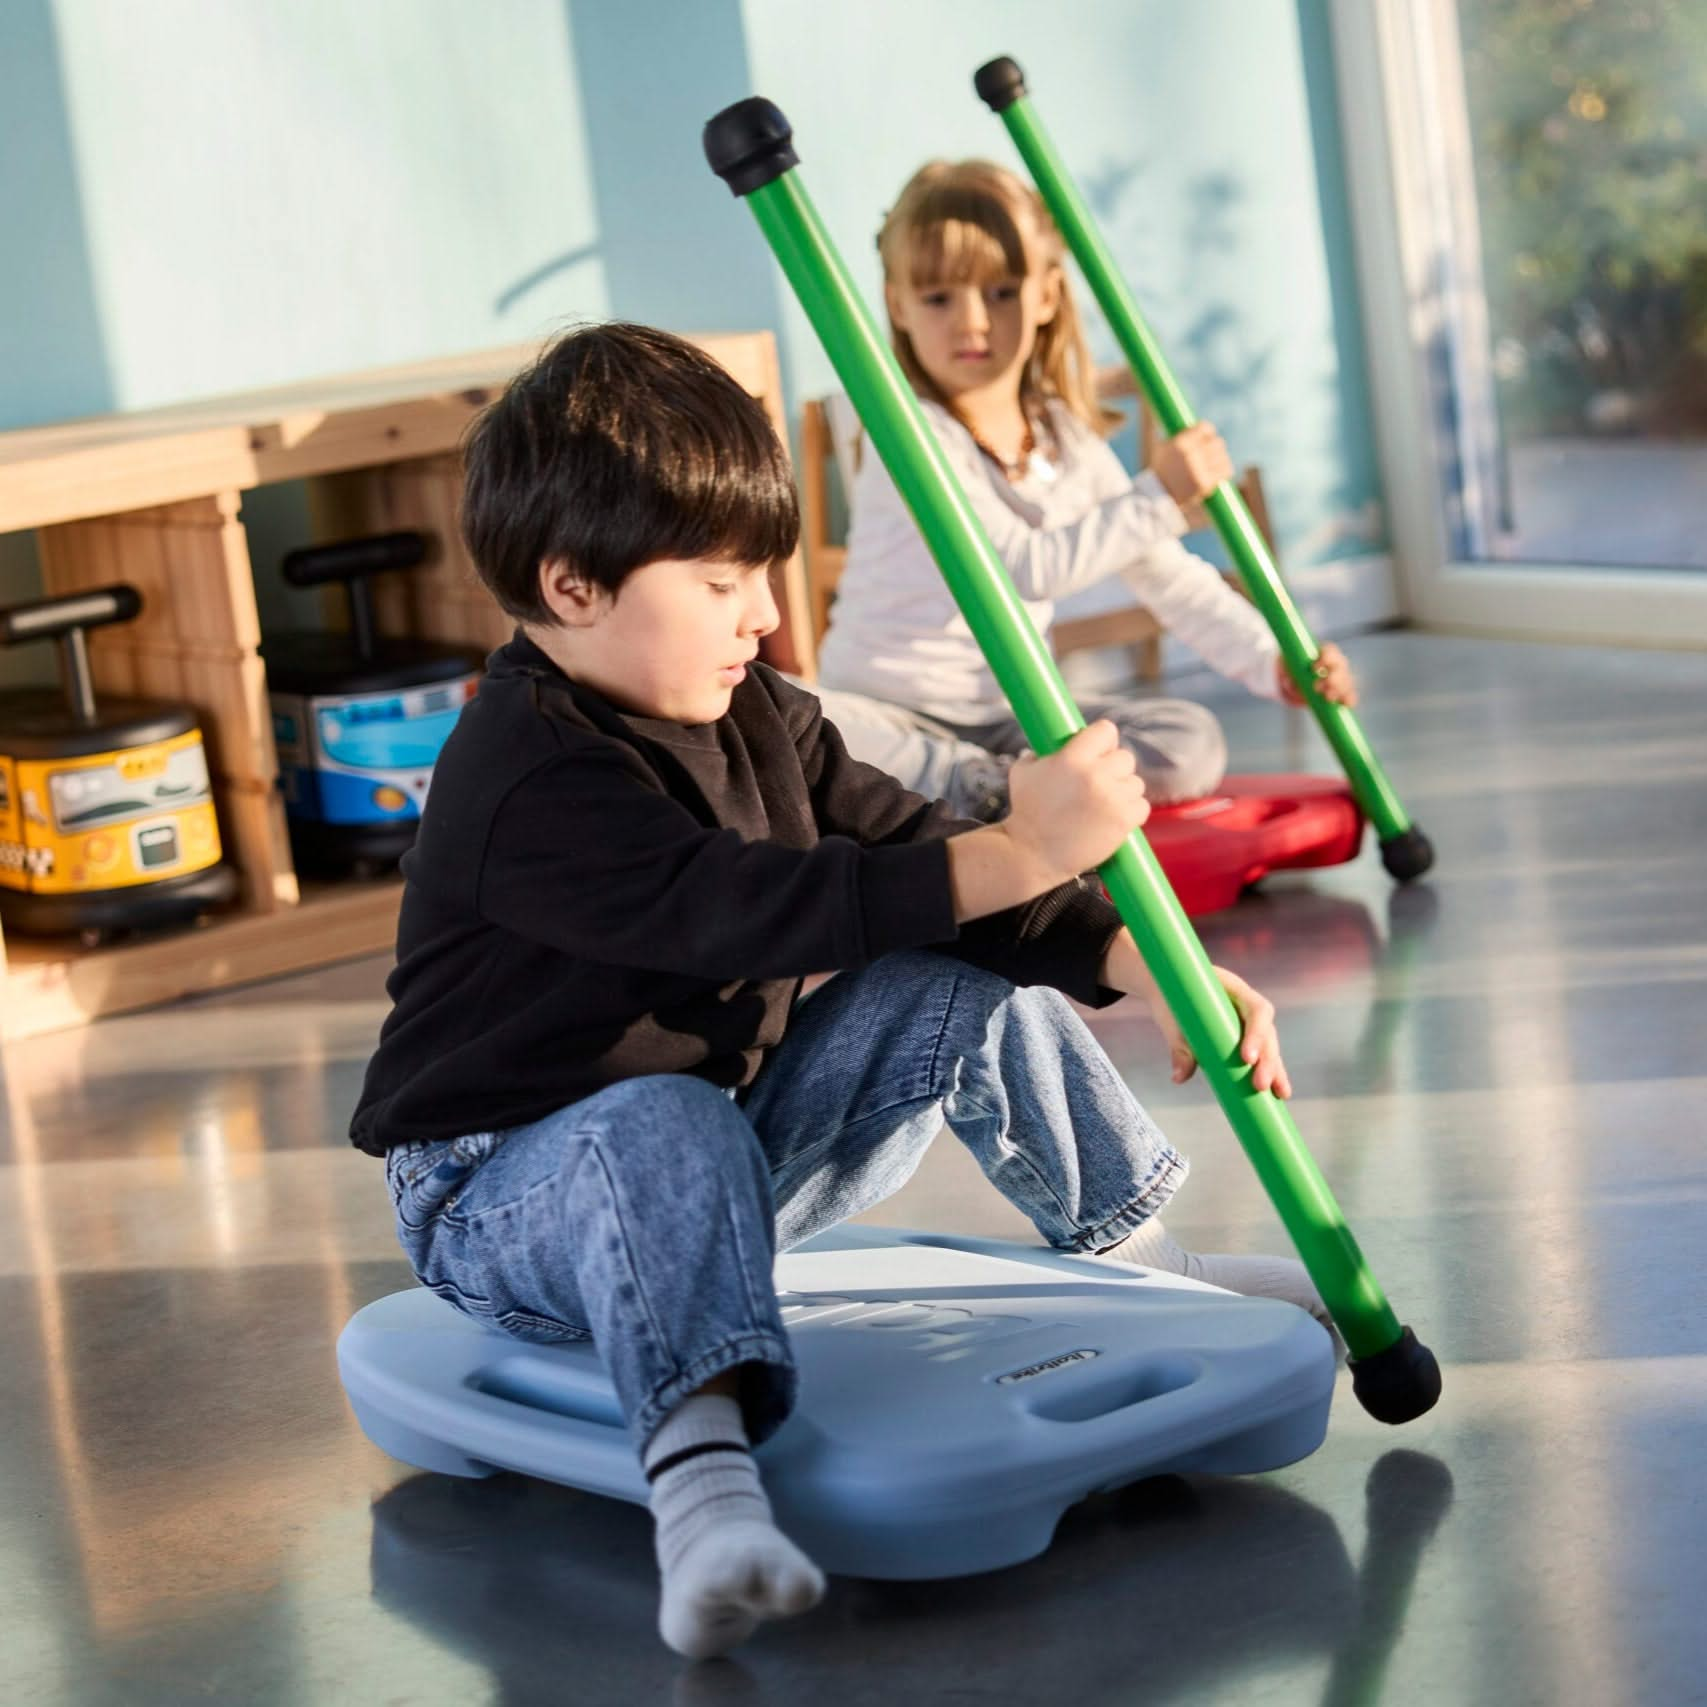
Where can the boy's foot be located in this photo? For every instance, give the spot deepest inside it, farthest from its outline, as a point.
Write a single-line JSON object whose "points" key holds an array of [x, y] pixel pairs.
{"points": [[1150, 1246], [726, 1566]]}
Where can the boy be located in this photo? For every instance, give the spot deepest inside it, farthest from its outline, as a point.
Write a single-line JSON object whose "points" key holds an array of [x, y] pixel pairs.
{"points": [[602, 1110]]}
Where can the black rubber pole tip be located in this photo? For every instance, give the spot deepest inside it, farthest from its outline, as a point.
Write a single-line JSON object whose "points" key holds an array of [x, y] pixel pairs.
{"points": [[1399, 1384], [749, 144], [1407, 855], [999, 84]]}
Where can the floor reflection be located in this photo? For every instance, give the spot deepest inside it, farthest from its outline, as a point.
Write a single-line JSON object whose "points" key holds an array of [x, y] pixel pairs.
{"points": [[1405, 1499], [1174, 1587], [1500, 1072]]}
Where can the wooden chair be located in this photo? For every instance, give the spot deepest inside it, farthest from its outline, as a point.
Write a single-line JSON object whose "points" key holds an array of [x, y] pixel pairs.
{"points": [[830, 434]]}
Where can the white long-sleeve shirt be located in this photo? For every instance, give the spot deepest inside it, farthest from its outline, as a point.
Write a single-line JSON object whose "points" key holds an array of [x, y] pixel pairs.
{"points": [[896, 634]]}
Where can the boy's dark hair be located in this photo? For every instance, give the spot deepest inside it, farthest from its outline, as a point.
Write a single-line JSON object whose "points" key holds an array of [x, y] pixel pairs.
{"points": [[621, 446]]}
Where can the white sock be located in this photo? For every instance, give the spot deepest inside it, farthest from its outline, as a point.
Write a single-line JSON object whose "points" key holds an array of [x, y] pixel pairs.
{"points": [[1149, 1245], [726, 1566]]}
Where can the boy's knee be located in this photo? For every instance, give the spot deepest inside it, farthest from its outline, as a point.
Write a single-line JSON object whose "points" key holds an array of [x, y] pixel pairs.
{"points": [[677, 1097], [920, 970], [651, 1119], [1042, 1004]]}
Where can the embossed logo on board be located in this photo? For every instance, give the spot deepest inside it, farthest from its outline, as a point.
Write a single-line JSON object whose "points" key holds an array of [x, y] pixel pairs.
{"points": [[1049, 1364]]}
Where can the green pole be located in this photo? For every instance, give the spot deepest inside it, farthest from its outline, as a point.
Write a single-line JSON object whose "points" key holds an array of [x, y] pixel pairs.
{"points": [[1405, 850], [749, 145]]}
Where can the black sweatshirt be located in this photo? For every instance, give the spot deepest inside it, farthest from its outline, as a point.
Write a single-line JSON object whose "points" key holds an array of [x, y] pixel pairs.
{"points": [[594, 896]]}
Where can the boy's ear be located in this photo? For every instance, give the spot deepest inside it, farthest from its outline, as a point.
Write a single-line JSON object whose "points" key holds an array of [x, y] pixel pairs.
{"points": [[575, 601], [1049, 304]]}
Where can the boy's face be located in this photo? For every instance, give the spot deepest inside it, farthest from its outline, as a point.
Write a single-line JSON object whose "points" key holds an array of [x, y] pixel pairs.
{"points": [[675, 641]]}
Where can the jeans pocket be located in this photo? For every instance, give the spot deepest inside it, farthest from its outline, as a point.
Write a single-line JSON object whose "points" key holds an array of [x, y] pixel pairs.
{"points": [[540, 1330], [427, 1178], [469, 1303], [463, 1256]]}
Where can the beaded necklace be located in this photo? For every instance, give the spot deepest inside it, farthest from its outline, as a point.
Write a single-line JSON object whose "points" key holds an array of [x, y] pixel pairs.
{"points": [[1031, 462]]}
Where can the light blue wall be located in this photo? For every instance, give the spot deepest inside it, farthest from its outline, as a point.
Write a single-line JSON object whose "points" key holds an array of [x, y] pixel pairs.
{"points": [[53, 359], [1208, 146], [208, 195], [271, 191]]}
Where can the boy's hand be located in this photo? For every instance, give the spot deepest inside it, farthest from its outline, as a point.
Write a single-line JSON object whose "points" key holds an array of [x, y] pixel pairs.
{"points": [[1190, 466], [1259, 1048], [1070, 811], [1334, 680], [1124, 969]]}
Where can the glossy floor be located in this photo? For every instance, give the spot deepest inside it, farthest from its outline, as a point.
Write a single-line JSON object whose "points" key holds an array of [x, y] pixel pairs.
{"points": [[1503, 1075]]}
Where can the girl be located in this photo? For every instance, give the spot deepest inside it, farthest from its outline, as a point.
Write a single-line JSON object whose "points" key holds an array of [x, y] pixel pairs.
{"points": [[986, 329]]}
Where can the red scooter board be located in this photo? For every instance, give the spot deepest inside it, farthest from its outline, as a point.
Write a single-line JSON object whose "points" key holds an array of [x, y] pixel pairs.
{"points": [[1215, 848]]}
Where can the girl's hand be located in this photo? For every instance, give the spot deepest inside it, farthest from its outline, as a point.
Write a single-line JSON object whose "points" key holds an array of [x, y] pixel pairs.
{"points": [[1259, 1048], [1191, 465], [1334, 680], [1116, 380]]}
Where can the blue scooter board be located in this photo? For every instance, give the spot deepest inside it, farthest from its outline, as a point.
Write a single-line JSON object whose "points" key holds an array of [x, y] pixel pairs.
{"points": [[957, 1395]]}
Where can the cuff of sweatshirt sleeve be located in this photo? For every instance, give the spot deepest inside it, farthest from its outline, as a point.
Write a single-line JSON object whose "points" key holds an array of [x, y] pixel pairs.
{"points": [[1152, 491], [1263, 677], [1084, 921], [906, 899]]}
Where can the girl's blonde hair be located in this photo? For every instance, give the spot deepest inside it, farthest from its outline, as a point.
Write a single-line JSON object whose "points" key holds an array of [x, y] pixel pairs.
{"points": [[955, 222]]}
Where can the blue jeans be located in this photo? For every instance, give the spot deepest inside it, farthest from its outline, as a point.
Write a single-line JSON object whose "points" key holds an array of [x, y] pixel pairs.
{"points": [[648, 1216]]}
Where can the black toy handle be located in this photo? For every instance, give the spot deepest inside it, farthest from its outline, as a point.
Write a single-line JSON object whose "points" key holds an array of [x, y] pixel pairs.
{"points": [[53, 619], [353, 559], [66, 619]]}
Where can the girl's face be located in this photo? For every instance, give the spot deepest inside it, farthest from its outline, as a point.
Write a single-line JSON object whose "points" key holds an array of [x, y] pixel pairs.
{"points": [[977, 336]]}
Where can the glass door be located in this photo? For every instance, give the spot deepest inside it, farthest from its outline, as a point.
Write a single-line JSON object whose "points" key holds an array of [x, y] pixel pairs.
{"points": [[1529, 185]]}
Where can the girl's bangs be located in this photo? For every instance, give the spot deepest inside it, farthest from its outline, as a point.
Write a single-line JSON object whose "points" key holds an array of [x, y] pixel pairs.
{"points": [[960, 237]]}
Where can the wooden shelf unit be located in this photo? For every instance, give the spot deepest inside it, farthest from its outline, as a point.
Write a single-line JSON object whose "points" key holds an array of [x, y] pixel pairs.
{"points": [[155, 498]]}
